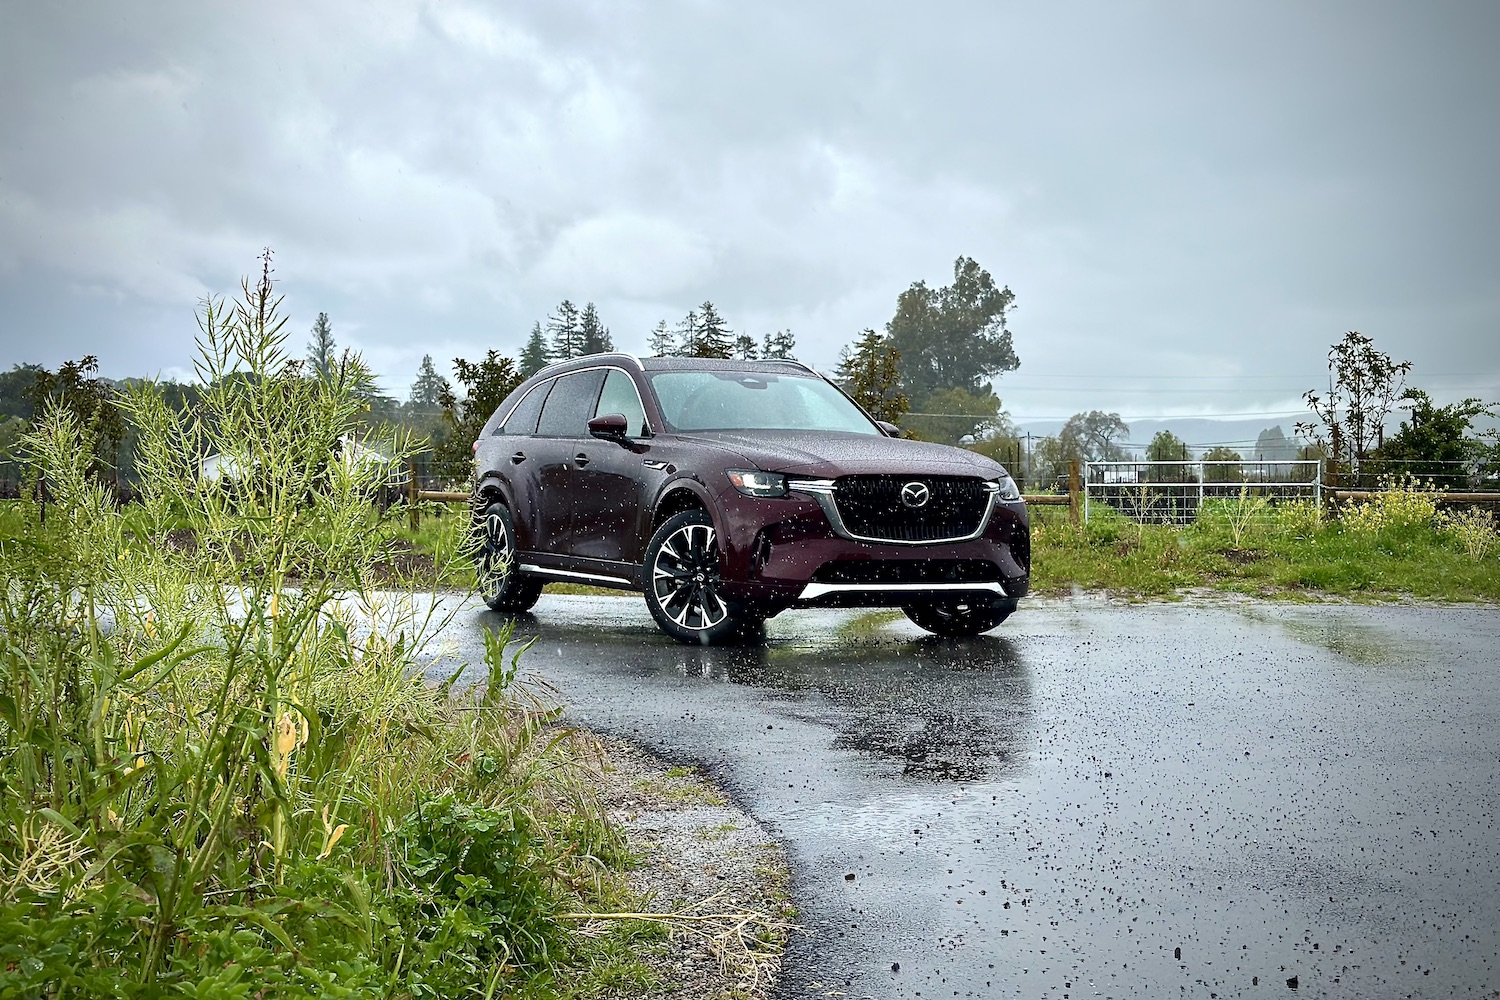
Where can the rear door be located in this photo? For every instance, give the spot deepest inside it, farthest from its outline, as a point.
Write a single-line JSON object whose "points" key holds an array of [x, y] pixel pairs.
{"points": [[562, 428]]}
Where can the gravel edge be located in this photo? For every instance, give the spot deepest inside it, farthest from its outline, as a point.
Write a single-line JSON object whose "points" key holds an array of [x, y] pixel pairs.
{"points": [[698, 851]]}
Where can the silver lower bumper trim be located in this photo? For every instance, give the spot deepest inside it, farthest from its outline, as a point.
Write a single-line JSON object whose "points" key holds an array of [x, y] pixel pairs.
{"points": [[816, 590]]}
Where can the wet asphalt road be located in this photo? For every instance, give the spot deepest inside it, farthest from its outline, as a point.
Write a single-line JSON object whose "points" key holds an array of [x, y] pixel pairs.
{"points": [[1095, 800]]}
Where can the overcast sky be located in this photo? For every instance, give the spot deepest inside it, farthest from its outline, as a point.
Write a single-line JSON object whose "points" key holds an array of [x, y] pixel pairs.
{"points": [[1191, 201]]}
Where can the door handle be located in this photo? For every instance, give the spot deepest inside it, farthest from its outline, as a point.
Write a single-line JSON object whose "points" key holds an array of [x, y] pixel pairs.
{"points": [[581, 459], [518, 458]]}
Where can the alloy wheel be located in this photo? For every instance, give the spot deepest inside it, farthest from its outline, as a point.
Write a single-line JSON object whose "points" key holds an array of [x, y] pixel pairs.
{"points": [[685, 578]]}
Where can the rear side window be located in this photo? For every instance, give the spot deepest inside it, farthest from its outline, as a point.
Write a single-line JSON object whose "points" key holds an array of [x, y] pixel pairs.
{"points": [[620, 396], [522, 419], [570, 404]]}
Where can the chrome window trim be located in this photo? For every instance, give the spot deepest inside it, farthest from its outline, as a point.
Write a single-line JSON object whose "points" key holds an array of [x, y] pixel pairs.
{"points": [[822, 490]]}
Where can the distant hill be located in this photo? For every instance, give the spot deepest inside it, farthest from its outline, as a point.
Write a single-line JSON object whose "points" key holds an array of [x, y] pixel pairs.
{"points": [[1200, 433]]}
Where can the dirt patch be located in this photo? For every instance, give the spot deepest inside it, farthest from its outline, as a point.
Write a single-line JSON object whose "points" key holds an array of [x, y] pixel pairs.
{"points": [[1242, 557]]}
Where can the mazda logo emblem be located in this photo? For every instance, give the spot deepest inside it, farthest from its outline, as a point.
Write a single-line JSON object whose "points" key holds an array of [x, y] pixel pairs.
{"points": [[915, 494]]}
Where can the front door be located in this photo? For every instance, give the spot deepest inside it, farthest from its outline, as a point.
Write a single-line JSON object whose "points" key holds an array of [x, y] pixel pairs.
{"points": [[609, 477], [562, 429]]}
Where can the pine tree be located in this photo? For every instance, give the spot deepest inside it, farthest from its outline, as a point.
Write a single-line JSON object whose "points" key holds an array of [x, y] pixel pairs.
{"points": [[778, 346], [744, 347], [687, 335], [535, 357], [662, 344], [714, 339], [566, 330], [595, 335], [320, 350], [871, 373], [428, 389]]}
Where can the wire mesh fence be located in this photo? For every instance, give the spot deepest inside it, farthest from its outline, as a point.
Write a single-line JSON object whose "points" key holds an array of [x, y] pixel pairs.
{"points": [[1175, 492]]}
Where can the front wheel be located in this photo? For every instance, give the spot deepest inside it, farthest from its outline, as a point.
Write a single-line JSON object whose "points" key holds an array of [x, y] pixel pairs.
{"points": [[501, 583], [958, 617], [682, 582]]}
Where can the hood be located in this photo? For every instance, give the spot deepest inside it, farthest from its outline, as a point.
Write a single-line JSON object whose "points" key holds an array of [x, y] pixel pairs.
{"points": [[829, 454]]}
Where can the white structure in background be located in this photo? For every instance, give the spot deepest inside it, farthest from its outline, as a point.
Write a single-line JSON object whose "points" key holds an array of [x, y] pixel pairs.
{"points": [[349, 451]]}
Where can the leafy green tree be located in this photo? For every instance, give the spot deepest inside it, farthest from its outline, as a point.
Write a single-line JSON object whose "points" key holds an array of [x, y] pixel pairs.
{"points": [[949, 415], [954, 336], [1272, 445], [1050, 461], [486, 384], [321, 352], [1222, 473], [427, 391], [663, 342], [745, 348], [595, 335], [1438, 440], [870, 371], [566, 327], [1363, 385], [1092, 436], [1166, 447], [778, 346], [15, 385], [713, 336], [77, 388], [535, 356]]}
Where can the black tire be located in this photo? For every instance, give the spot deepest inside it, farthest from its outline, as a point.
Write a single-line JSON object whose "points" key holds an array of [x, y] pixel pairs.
{"points": [[958, 616], [501, 583], [682, 582]]}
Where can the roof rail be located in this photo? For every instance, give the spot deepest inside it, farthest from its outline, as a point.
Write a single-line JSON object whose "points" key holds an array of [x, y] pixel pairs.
{"points": [[593, 357]]}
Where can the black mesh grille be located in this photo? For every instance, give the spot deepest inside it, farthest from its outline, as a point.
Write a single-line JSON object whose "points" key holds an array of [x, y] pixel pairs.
{"points": [[859, 571], [871, 506]]}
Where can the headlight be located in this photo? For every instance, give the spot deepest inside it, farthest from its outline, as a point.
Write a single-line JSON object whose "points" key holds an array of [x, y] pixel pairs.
{"points": [[758, 484], [1008, 489]]}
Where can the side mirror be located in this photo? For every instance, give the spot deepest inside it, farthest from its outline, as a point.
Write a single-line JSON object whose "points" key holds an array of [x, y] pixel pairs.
{"points": [[609, 426], [891, 430]]}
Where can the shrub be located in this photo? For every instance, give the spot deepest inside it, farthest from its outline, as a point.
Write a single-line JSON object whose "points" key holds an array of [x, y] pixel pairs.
{"points": [[1238, 518], [1472, 530], [1401, 505], [1296, 519]]}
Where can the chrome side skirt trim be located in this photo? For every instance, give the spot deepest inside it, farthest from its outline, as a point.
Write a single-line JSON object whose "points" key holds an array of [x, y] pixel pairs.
{"points": [[572, 575], [816, 590]]}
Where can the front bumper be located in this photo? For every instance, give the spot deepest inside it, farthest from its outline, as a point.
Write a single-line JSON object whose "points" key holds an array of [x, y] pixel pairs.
{"points": [[784, 551]]}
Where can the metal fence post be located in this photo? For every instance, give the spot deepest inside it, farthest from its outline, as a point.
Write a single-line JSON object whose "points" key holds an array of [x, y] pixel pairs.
{"points": [[1318, 489]]}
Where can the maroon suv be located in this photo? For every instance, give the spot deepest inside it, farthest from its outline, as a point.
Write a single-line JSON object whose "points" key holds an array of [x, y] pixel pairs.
{"points": [[729, 491]]}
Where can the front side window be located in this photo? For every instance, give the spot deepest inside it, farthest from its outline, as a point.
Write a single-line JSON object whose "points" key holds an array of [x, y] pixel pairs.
{"points": [[727, 400], [570, 404], [619, 396]]}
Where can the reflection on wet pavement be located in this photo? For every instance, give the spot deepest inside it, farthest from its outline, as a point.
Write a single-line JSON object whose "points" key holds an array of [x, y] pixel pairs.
{"points": [[1095, 800]]}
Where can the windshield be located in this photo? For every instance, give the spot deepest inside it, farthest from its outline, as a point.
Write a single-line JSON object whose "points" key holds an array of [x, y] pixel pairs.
{"points": [[745, 401]]}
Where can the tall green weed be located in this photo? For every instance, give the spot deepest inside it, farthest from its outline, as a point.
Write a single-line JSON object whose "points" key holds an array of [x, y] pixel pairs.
{"points": [[220, 774]]}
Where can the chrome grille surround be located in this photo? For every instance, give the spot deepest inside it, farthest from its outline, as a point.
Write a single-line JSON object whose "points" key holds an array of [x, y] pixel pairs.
{"points": [[948, 492]]}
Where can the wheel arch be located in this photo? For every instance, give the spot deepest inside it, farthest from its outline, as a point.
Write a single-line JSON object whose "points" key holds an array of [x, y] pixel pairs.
{"points": [[684, 494]]}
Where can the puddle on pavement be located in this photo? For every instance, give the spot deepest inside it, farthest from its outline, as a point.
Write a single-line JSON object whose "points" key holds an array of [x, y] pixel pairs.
{"points": [[1339, 631], [939, 709]]}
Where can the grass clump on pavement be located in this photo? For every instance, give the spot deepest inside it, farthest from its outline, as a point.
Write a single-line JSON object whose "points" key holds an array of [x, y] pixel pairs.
{"points": [[220, 773], [1400, 543]]}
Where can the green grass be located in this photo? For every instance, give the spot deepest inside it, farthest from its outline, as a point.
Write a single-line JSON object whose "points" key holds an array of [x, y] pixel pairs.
{"points": [[1265, 556]]}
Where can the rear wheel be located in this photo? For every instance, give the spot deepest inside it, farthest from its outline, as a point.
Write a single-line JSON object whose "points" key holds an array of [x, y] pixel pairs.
{"points": [[682, 582], [959, 617], [501, 583]]}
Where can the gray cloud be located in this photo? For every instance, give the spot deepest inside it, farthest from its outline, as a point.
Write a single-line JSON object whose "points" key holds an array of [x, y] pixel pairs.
{"points": [[1171, 189]]}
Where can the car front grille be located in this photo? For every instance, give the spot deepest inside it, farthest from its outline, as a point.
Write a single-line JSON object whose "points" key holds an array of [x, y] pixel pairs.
{"points": [[872, 507]]}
